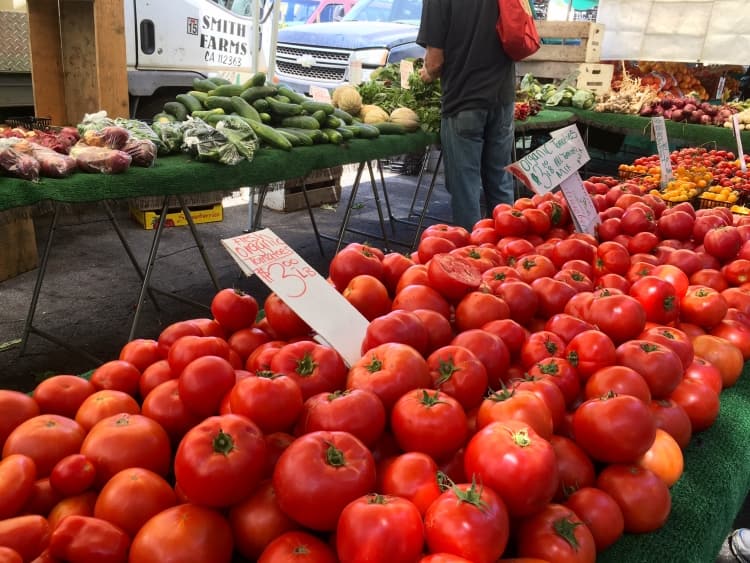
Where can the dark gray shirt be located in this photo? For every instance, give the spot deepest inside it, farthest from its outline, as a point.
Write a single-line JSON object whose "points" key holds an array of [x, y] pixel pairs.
{"points": [[477, 74]]}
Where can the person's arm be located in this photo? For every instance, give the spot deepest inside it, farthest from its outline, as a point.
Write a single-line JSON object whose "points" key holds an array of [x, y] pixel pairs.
{"points": [[433, 64]]}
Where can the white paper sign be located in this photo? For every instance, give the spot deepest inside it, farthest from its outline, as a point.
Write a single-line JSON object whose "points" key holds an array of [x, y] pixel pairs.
{"points": [[406, 68], [355, 72], [738, 136], [306, 292], [320, 94], [659, 130], [543, 169], [720, 87], [582, 210]]}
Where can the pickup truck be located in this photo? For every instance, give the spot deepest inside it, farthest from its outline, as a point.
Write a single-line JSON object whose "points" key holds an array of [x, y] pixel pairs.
{"points": [[327, 55]]}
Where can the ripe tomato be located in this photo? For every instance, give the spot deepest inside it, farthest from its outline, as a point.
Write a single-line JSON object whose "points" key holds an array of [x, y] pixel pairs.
{"points": [[185, 532], [338, 469], [397, 326], [127, 440], [520, 298], [368, 295], [389, 371], [413, 297], [234, 309], [723, 242], [62, 394], [511, 333], [379, 528], [659, 365], [453, 276], [491, 351], [246, 340], [561, 373], [566, 326], [673, 338], [117, 375], [164, 405], [298, 546], [141, 352], [705, 372], [723, 355], [620, 317], [257, 521], [703, 306], [357, 411], [478, 308], [548, 391], [430, 422], [16, 407], [556, 534], [27, 535], [42, 499], [187, 348], [614, 428], [46, 439], [220, 461], [534, 266], [284, 322], [394, 265], [413, 476], [273, 402], [470, 521], [352, 261], [102, 404], [552, 294], [541, 345], [642, 496], [313, 367], [737, 333], [664, 458], [517, 463], [204, 382], [72, 475], [457, 371], [85, 538], [153, 375], [17, 477], [658, 298], [519, 405], [439, 329], [701, 403], [82, 505], [589, 352], [574, 466], [601, 514]]}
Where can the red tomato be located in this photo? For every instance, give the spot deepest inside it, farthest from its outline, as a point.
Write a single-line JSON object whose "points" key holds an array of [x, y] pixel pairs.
{"points": [[574, 466], [704, 372], [430, 246], [313, 367], [389, 370], [368, 295], [478, 308], [379, 528], [62, 394], [470, 521], [127, 440], [548, 391], [276, 443], [141, 352], [17, 477], [354, 261], [397, 326], [723, 242], [46, 439], [164, 405], [105, 403], [28, 535], [721, 353], [453, 276], [620, 317], [154, 375], [72, 475], [519, 405], [614, 428], [273, 402], [413, 297], [561, 373], [246, 340], [81, 505], [284, 322], [394, 265], [514, 461], [117, 375], [659, 365], [521, 298], [658, 298], [556, 534], [299, 547], [710, 278], [491, 351], [510, 332], [541, 345], [220, 480], [601, 514], [701, 403], [535, 266], [16, 407], [413, 476], [43, 498], [510, 222], [185, 532], [234, 309], [642, 496], [703, 306], [589, 352], [131, 497], [188, 348], [84, 538], [260, 358], [439, 329], [357, 411], [735, 332], [338, 469], [675, 339], [204, 382], [566, 326], [621, 380], [664, 458], [430, 422], [552, 295], [8, 555]]}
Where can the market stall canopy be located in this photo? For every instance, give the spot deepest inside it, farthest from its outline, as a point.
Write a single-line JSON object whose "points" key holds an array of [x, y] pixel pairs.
{"points": [[705, 31]]}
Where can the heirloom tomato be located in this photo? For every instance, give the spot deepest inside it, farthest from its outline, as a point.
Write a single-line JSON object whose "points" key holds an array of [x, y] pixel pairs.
{"points": [[664, 458], [556, 533]]}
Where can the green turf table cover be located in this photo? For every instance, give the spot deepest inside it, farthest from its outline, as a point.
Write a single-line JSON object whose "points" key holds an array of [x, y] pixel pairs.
{"points": [[707, 497], [545, 120], [181, 175]]}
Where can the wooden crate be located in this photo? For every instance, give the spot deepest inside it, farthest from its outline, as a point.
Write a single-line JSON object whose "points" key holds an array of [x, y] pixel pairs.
{"points": [[323, 187], [18, 253], [596, 78]]}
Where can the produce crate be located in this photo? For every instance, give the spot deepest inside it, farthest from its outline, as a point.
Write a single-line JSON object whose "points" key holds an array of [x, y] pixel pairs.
{"points": [[595, 77], [29, 122], [18, 253], [149, 219], [710, 203], [323, 187]]}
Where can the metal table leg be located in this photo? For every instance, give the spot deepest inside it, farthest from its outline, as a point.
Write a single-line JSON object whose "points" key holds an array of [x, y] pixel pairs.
{"points": [[199, 243], [312, 217], [426, 204]]}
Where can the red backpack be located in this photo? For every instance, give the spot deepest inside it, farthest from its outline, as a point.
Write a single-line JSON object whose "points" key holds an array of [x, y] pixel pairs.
{"points": [[516, 29]]}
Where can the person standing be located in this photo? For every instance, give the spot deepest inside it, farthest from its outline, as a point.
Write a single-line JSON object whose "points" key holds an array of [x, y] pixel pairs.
{"points": [[478, 93]]}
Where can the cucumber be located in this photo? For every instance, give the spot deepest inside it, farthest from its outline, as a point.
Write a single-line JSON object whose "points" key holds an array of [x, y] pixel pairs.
{"points": [[176, 109], [316, 135], [301, 121], [293, 96], [258, 92], [198, 95], [311, 106], [204, 84], [162, 117], [388, 128], [269, 135], [332, 122], [260, 105], [214, 118], [364, 131], [244, 109], [191, 103], [219, 81], [213, 102], [204, 114], [295, 138], [346, 134], [227, 90], [344, 116], [334, 137], [283, 109], [258, 79], [265, 117], [320, 116], [283, 99]]}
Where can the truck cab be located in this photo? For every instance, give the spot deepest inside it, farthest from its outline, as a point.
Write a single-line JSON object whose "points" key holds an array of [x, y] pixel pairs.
{"points": [[327, 55]]}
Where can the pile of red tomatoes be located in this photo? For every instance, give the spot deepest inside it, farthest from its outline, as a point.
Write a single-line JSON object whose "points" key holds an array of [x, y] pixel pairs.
{"points": [[523, 391]]}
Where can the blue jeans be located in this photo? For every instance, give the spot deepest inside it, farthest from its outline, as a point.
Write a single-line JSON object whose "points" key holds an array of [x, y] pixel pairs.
{"points": [[477, 145]]}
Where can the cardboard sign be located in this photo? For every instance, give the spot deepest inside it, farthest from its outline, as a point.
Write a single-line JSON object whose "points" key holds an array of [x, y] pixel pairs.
{"points": [[584, 214], [355, 72], [543, 169], [406, 68], [320, 94], [720, 87], [659, 130], [306, 292], [738, 136]]}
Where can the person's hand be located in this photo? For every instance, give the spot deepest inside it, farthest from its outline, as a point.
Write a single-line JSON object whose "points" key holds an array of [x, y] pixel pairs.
{"points": [[424, 75]]}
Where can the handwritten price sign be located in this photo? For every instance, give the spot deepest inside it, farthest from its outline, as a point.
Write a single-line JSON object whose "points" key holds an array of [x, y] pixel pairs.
{"points": [[306, 292]]}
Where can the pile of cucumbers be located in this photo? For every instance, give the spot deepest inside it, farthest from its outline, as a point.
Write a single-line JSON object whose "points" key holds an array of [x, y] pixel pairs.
{"points": [[279, 116]]}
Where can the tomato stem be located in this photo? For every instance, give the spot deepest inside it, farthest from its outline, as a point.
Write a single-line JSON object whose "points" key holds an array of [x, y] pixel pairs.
{"points": [[377, 499], [223, 443], [521, 438], [446, 369], [565, 528], [430, 400], [473, 495], [335, 456], [374, 365], [306, 365]]}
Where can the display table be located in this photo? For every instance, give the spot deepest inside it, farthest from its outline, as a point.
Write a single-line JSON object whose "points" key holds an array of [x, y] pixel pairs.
{"points": [[707, 497], [545, 120]]}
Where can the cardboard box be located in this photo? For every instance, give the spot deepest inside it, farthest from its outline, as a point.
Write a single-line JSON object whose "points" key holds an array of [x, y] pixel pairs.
{"points": [[323, 187], [149, 219], [596, 78], [18, 253]]}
